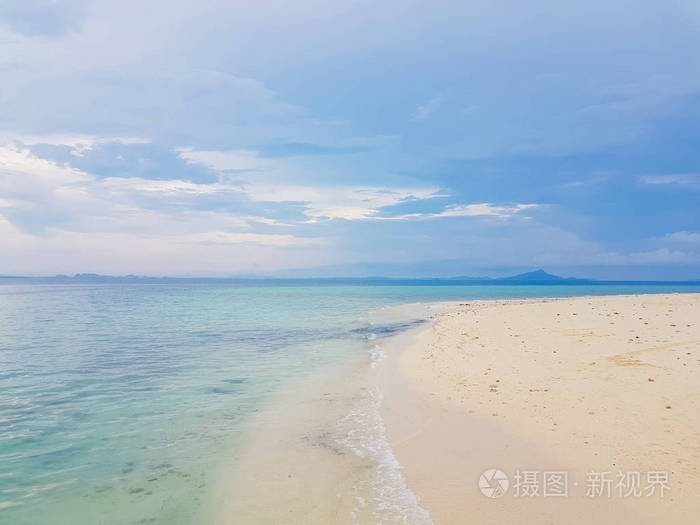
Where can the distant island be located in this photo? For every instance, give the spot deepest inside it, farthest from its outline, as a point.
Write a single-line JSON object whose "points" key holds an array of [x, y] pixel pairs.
{"points": [[534, 277], [540, 276]]}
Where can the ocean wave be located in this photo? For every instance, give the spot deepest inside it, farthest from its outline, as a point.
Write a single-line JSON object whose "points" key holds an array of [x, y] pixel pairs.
{"points": [[384, 494]]}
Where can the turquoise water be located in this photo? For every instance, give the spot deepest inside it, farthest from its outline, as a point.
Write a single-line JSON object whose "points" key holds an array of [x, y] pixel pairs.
{"points": [[117, 401]]}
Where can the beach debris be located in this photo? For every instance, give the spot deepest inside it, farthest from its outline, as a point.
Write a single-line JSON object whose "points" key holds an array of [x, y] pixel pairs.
{"points": [[651, 379]]}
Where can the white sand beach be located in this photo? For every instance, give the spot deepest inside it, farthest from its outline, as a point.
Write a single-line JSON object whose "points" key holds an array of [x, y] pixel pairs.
{"points": [[605, 389]]}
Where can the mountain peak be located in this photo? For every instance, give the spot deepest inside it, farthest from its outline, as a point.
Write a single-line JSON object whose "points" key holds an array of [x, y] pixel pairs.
{"points": [[537, 275]]}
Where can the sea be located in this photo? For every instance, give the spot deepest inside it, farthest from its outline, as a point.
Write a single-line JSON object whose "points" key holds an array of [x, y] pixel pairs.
{"points": [[119, 401]]}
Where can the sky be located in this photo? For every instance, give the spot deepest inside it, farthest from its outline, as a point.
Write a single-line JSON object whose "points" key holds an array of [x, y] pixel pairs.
{"points": [[350, 138]]}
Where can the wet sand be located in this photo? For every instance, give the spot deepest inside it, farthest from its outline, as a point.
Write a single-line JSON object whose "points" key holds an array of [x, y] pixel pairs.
{"points": [[318, 454], [590, 386]]}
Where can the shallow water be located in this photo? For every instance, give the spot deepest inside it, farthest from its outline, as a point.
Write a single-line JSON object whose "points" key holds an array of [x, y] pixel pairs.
{"points": [[119, 401]]}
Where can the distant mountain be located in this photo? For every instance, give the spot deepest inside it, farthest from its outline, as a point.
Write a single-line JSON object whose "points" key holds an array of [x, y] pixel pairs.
{"points": [[539, 276], [536, 277], [469, 278]]}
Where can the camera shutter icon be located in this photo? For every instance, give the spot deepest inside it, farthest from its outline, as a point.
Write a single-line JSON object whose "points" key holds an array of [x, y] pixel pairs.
{"points": [[493, 483]]}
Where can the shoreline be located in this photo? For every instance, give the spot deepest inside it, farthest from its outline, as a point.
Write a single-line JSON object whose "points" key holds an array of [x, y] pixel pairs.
{"points": [[317, 453], [401, 432], [573, 385]]}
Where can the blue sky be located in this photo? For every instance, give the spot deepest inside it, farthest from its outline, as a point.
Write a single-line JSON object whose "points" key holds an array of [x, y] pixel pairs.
{"points": [[350, 138]]}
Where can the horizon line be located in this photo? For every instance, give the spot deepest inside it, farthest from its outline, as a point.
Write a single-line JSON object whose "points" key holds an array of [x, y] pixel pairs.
{"points": [[549, 279]]}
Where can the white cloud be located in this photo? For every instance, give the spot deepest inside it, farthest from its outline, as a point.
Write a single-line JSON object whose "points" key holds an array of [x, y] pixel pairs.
{"points": [[218, 237], [344, 202], [66, 208], [660, 256], [483, 209], [597, 177], [80, 143], [14, 160], [682, 179], [129, 185], [318, 202], [426, 110], [683, 237], [119, 253], [233, 160]]}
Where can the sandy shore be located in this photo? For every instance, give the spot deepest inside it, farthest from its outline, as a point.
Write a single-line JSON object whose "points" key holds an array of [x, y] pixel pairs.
{"points": [[317, 453], [601, 388]]}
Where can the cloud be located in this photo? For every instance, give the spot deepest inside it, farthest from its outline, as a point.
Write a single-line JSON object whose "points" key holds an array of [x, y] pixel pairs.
{"points": [[303, 149], [661, 256], [14, 160], [247, 238], [40, 195], [318, 202], [126, 91], [685, 179], [683, 237], [55, 218], [597, 177], [41, 188], [484, 209], [51, 18], [119, 253], [426, 110], [175, 187], [227, 161], [79, 144], [343, 202]]}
